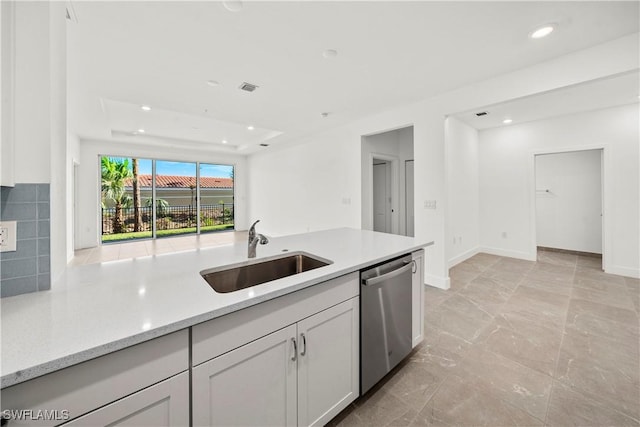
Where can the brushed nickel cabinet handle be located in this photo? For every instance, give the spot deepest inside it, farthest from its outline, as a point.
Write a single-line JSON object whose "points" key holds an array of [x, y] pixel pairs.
{"points": [[295, 350], [304, 345]]}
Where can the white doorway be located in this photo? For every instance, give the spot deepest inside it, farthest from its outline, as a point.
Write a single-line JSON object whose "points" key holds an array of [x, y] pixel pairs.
{"points": [[382, 210], [387, 203], [569, 201]]}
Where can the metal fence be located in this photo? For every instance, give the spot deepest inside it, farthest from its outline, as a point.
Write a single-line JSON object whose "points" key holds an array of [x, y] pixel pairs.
{"points": [[169, 217]]}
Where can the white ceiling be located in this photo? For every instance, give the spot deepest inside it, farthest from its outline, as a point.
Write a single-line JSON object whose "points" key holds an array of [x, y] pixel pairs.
{"points": [[603, 93], [126, 54]]}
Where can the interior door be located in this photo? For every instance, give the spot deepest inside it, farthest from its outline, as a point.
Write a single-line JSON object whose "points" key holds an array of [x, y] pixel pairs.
{"points": [[409, 194], [381, 216]]}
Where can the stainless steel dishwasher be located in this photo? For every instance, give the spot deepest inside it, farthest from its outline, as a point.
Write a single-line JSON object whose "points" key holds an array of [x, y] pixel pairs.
{"points": [[385, 319]]}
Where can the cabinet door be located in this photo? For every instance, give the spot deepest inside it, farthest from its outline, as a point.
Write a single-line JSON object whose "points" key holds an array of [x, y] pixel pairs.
{"points": [[328, 363], [162, 404], [253, 385], [417, 298]]}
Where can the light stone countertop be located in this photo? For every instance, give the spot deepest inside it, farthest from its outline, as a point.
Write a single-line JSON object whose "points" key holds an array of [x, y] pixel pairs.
{"points": [[96, 309]]}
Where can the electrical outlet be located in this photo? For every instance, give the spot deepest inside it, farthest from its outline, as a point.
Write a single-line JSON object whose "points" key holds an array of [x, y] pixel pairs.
{"points": [[429, 204], [8, 236]]}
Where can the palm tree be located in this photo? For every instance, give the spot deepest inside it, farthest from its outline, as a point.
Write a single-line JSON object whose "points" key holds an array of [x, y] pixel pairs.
{"points": [[114, 174], [137, 212], [161, 206]]}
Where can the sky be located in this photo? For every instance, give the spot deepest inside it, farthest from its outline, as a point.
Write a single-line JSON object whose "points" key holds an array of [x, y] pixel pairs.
{"points": [[164, 167]]}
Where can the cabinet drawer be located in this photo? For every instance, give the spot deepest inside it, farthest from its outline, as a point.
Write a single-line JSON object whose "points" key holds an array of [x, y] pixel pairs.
{"points": [[81, 388], [215, 337], [162, 405]]}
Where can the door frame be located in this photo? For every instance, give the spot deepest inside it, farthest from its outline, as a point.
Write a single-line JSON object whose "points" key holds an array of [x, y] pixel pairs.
{"points": [[395, 188], [605, 203], [408, 196], [75, 203]]}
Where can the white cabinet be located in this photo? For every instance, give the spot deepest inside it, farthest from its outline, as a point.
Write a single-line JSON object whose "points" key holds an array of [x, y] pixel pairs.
{"points": [[122, 384], [7, 67], [417, 298], [161, 405], [328, 363], [252, 385], [303, 374]]}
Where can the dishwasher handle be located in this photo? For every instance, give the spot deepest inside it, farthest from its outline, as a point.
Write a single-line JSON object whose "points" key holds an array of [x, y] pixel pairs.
{"points": [[408, 266]]}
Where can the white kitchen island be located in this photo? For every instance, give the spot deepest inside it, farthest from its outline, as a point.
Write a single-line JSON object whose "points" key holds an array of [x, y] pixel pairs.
{"points": [[94, 311]]}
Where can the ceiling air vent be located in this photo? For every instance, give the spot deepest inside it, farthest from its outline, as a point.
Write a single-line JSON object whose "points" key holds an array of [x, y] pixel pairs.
{"points": [[482, 113], [248, 87]]}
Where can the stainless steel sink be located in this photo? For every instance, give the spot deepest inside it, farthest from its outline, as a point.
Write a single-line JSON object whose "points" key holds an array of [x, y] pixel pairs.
{"points": [[255, 272]]}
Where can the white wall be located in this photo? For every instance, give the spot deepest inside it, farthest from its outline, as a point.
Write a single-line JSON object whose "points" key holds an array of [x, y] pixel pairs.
{"points": [[57, 142], [308, 187], [398, 144], [89, 169], [507, 186], [461, 142], [73, 157], [324, 169], [568, 215]]}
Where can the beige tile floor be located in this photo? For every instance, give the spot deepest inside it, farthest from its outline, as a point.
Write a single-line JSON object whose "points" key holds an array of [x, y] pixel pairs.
{"points": [[518, 343], [141, 248]]}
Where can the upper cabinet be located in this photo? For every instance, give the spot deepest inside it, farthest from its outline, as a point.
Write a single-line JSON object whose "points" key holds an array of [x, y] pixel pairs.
{"points": [[7, 67]]}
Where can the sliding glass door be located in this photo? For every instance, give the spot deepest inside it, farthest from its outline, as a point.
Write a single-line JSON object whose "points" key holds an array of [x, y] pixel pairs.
{"points": [[146, 198], [176, 202], [216, 197]]}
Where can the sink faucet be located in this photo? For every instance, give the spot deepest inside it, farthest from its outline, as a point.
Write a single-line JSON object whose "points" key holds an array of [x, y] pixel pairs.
{"points": [[254, 239]]}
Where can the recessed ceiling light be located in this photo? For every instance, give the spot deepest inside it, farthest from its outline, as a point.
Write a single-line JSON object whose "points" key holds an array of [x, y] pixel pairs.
{"points": [[507, 121], [233, 5], [140, 130], [542, 31], [213, 83], [250, 127], [330, 53], [145, 108], [224, 141]]}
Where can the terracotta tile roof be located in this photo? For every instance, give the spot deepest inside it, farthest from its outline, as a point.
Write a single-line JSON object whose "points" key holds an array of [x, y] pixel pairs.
{"points": [[174, 181]]}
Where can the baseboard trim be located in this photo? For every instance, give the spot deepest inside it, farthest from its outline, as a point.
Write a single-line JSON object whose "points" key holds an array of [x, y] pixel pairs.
{"points": [[437, 281], [623, 271], [570, 251], [463, 256], [507, 253]]}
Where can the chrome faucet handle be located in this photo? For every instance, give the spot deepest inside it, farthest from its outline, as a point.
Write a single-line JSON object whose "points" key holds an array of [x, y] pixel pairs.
{"points": [[252, 230]]}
